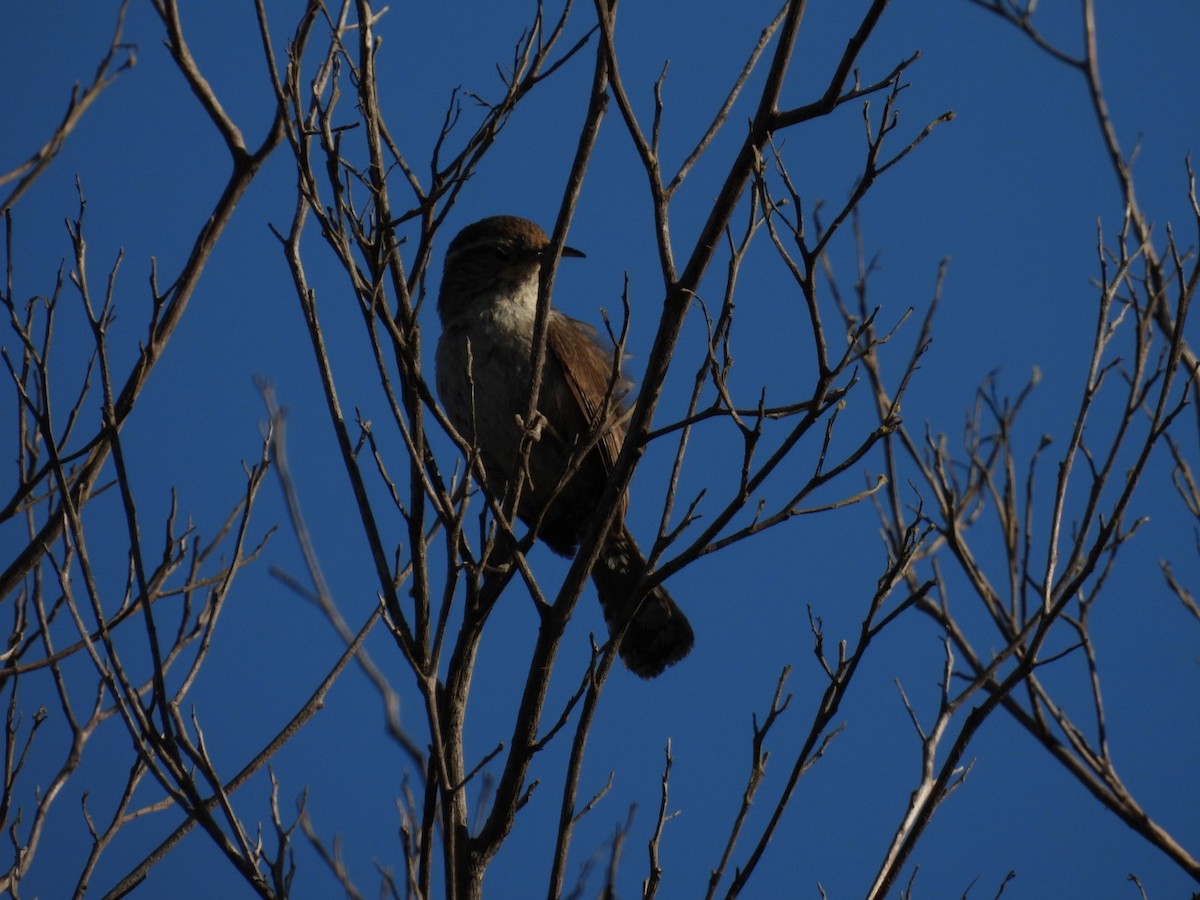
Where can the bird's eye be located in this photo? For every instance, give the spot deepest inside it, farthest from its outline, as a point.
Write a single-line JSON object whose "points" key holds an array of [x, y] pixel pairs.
{"points": [[502, 253]]}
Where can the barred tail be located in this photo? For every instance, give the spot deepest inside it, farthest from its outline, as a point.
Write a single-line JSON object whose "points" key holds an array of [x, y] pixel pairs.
{"points": [[659, 634]]}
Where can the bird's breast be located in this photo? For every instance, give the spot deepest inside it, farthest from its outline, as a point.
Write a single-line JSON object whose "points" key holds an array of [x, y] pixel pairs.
{"points": [[483, 371]]}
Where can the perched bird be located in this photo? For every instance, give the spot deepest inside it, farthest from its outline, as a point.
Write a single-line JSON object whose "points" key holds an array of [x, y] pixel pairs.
{"points": [[487, 305]]}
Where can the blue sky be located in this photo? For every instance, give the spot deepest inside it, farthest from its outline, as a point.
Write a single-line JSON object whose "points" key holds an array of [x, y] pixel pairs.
{"points": [[1010, 192]]}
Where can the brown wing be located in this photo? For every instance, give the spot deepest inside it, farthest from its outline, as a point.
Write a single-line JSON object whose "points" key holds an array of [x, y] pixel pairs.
{"points": [[583, 403]]}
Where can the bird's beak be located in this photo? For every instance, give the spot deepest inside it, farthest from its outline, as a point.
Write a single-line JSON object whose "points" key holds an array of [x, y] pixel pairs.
{"points": [[568, 251]]}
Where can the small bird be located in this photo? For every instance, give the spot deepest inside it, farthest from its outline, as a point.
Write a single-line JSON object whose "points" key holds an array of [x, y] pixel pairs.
{"points": [[487, 305]]}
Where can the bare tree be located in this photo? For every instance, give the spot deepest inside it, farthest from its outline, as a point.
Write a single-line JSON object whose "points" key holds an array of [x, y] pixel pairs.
{"points": [[121, 650]]}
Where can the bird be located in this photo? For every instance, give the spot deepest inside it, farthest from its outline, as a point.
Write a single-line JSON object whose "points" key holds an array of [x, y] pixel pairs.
{"points": [[487, 304]]}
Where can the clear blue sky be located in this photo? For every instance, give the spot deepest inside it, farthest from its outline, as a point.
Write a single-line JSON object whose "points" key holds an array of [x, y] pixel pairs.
{"points": [[1010, 191]]}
